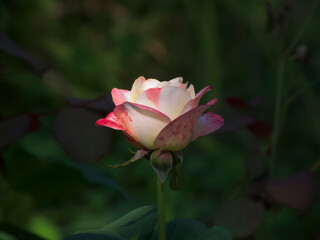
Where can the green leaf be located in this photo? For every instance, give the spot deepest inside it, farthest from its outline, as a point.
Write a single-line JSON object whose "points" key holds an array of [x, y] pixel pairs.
{"points": [[91, 236], [95, 175], [16, 233], [137, 224], [217, 233], [189, 229], [24, 176], [161, 162]]}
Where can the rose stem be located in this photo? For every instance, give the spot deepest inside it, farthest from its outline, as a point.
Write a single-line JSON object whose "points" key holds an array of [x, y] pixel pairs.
{"points": [[161, 210]]}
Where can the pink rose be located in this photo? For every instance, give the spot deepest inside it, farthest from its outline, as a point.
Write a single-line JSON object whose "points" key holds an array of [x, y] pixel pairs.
{"points": [[161, 115]]}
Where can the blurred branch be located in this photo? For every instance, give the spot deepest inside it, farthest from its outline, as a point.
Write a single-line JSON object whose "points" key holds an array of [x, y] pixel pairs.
{"points": [[8, 46], [294, 96], [315, 166], [302, 30], [277, 112]]}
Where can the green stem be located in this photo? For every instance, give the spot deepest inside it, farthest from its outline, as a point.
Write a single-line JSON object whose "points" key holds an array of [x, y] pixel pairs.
{"points": [[277, 112], [280, 79], [161, 210]]}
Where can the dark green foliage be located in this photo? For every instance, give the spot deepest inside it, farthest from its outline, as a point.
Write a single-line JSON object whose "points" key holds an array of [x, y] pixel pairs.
{"points": [[8, 231], [188, 229], [59, 61], [138, 224]]}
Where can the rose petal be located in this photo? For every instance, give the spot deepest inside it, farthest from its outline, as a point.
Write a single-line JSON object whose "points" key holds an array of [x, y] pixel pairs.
{"points": [[150, 83], [176, 80], [191, 91], [207, 123], [172, 100], [177, 134], [120, 96], [132, 141], [168, 100], [110, 121], [142, 123], [136, 89], [195, 101], [150, 98]]}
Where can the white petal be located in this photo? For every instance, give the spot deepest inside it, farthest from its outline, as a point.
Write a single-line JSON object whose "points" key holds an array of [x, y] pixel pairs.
{"points": [[163, 84], [176, 80], [172, 100], [136, 89], [191, 91], [168, 100], [150, 83], [195, 101], [142, 123], [150, 98]]}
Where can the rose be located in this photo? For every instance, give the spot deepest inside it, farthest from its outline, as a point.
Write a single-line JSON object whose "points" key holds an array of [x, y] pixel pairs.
{"points": [[160, 118], [161, 115]]}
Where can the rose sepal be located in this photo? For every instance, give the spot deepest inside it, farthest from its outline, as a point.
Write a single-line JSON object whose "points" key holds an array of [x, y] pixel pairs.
{"points": [[138, 155], [161, 161], [176, 178]]}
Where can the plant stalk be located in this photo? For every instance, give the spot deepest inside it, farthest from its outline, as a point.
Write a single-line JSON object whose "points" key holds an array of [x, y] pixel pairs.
{"points": [[161, 210], [277, 114]]}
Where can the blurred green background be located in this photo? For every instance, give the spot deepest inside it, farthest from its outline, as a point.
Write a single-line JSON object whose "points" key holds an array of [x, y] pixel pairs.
{"points": [[76, 51]]}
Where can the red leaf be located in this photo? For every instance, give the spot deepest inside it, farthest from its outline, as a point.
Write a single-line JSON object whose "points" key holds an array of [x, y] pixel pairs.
{"points": [[8, 46], [75, 131], [102, 105], [241, 217], [236, 102], [298, 191], [236, 123], [16, 127], [260, 129]]}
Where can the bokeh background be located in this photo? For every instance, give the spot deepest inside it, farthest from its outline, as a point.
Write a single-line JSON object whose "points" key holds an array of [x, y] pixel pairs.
{"points": [[59, 61]]}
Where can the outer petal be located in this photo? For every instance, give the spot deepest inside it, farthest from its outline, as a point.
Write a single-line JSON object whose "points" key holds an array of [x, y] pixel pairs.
{"points": [[168, 100], [132, 141], [206, 124], [142, 123], [195, 101], [110, 121], [120, 96], [191, 92], [177, 135], [136, 89]]}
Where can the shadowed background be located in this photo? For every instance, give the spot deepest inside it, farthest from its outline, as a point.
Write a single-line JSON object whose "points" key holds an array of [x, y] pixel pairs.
{"points": [[59, 61]]}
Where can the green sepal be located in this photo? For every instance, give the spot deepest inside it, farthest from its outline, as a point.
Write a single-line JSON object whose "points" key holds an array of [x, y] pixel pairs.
{"points": [[161, 162], [176, 179], [139, 154]]}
